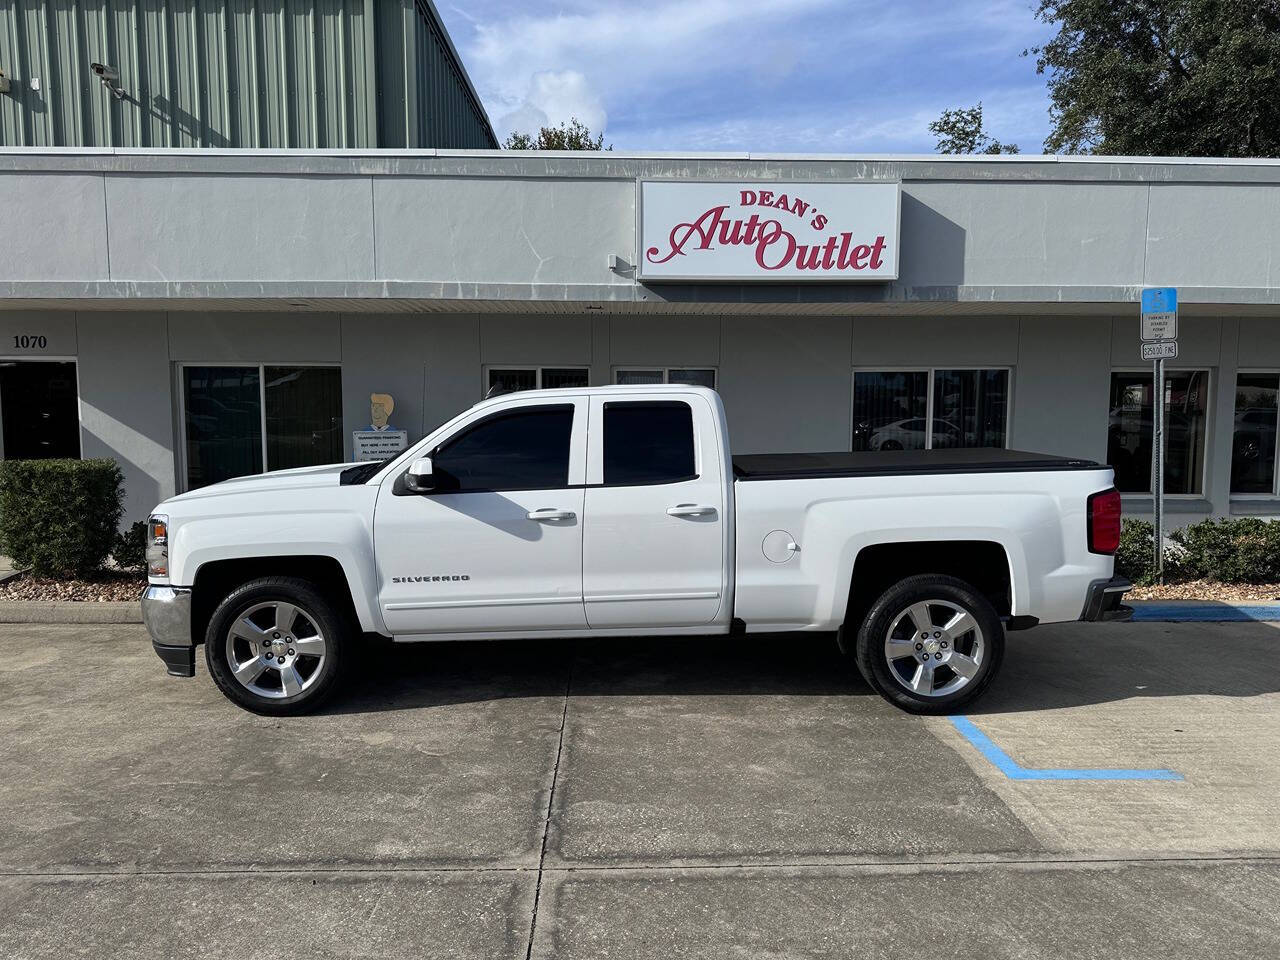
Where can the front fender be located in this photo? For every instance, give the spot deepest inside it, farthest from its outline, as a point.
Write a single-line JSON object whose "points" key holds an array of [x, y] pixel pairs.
{"points": [[343, 535]]}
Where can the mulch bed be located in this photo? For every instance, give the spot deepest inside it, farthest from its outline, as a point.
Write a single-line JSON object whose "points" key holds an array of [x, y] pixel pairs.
{"points": [[105, 587], [1207, 590]]}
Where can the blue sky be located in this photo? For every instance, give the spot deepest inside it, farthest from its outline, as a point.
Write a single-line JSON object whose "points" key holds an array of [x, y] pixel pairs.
{"points": [[847, 76]]}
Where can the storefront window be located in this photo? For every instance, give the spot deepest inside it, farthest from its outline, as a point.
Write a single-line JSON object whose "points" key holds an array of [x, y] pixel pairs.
{"points": [[224, 423], [691, 376], [304, 416], [554, 378], [224, 417], [1129, 434], [970, 407], [1253, 446], [923, 409], [511, 379]]}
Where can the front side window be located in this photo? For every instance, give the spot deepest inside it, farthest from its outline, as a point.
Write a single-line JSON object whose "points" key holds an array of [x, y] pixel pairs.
{"points": [[689, 376], [225, 409], [1129, 432], [1253, 445], [930, 409], [648, 442], [524, 449]]}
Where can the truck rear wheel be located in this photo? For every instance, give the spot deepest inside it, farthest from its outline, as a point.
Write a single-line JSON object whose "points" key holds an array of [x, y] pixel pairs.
{"points": [[930, 644], [275, 646]]}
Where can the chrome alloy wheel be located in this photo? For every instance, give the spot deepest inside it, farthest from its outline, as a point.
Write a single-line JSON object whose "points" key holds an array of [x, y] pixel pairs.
{"points": [[275, 649], [934, 648]]}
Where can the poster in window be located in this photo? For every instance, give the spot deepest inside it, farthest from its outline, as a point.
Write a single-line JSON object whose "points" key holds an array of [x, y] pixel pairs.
{"points": [[380, 440]]}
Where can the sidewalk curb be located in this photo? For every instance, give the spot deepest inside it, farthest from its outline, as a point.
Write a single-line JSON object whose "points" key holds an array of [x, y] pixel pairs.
{"points": [[1203, 611], [69, 611]]}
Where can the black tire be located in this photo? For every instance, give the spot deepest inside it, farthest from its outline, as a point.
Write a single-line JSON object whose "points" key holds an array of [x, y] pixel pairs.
{"points": [[314, 610], [887, 677]]}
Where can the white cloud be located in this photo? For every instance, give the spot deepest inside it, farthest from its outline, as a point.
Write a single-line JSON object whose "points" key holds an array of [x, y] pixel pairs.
{"points": [[581, 60], [552, 97]]}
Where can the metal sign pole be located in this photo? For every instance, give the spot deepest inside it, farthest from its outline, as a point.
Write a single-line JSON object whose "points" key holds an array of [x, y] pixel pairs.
{"points": [[1157, 467], [1158, 331]]}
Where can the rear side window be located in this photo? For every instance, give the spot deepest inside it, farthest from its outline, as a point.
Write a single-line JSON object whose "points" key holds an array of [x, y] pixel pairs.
{"points": [[526, 449], [648, 442]]}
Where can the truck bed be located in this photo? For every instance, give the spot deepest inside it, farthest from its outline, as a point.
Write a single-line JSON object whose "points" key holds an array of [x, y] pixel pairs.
{"points": [[879, 463]]}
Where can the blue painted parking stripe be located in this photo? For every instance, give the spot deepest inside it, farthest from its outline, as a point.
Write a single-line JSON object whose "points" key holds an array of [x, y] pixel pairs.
{"points": [[1206, 612], [1011, 769]]}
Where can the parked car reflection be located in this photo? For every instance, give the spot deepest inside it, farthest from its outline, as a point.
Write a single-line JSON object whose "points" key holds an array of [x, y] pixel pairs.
{"points": [[912, 434]]}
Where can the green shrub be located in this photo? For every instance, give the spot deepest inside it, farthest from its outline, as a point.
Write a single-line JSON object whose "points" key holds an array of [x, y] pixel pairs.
{"points": [[130, 548], [58, 517], [1241, 550], [1135, 558]]}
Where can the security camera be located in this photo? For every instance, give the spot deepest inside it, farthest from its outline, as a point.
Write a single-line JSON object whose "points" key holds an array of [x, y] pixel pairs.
{"points": [[109, 77]]}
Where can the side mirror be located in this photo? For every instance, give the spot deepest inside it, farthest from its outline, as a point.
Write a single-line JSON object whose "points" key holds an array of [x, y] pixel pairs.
{"points": [[419, 478]]}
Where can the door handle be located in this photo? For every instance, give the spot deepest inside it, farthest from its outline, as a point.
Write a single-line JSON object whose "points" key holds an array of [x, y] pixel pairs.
{"points": [[550, 513], [690, 510]]}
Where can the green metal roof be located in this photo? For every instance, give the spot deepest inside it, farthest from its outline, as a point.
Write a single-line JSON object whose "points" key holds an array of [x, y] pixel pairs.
{"points": [[319, 74]]}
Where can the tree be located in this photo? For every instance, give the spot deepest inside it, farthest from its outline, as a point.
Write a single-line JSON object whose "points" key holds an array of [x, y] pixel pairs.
{"points": [[573, 135], [1163, 77], [960, 131]]}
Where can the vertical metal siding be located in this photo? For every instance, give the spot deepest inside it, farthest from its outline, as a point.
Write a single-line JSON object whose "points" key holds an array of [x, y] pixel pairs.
{"points": [[234, 73], [448, 113]]}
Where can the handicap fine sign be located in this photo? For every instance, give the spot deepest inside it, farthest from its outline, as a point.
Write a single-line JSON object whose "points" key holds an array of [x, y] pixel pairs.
{"points": [[1160, 314], [1160, 350]]}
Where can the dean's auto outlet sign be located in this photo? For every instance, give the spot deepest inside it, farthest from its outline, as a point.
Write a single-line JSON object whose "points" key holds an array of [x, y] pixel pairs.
{"points": [[763, 231]]}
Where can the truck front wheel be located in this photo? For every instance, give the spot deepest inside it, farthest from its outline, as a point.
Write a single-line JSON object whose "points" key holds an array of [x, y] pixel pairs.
{"points": [[275, 646], [930, 644]]}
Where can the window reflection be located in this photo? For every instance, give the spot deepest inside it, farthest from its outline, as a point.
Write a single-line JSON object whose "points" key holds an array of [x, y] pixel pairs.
{"points": [[912, 410], [1253, 446], [1129, 433]]}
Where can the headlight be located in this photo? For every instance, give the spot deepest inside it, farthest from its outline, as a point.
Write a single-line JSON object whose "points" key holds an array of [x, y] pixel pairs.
{"points": [[158, 546]]}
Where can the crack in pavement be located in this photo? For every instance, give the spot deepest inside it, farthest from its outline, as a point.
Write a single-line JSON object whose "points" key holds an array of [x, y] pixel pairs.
{"points": [[551, 799]]}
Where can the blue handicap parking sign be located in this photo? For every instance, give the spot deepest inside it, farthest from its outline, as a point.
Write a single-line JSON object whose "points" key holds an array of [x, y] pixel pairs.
{"points": [[1160, 300]]}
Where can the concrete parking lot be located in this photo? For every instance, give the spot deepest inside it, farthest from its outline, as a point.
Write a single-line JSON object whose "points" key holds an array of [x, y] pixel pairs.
{"points": [[645, 798]]}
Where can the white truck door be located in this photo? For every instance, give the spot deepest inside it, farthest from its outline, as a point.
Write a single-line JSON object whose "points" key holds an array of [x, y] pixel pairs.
{"points": [[496, 544], [653, 538]]}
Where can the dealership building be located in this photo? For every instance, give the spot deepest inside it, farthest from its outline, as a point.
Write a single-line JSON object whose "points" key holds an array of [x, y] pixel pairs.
{"points": [[198, 315]]}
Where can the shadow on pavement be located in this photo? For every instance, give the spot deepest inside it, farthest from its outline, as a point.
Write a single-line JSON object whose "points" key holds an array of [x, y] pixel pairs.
{"points": [[1051, 667], [405, 676], [1072, 665]]}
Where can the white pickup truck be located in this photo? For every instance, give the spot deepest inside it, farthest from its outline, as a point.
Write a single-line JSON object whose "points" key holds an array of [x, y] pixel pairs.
{"points": [[618, 511]]}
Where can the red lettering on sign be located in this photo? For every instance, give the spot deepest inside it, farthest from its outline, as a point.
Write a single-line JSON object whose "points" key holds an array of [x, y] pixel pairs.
{"points": [[775, 246]]}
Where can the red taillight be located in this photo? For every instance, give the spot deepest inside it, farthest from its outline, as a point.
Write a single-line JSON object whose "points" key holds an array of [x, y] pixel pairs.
{"points": [[1104, 521]]}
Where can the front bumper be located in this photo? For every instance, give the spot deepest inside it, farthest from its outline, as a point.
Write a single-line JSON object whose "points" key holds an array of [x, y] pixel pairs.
{"points": [[1103, 600], [167, 613]]}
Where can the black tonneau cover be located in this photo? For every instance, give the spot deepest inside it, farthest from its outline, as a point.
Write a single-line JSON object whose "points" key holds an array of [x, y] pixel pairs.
{"points": [[877, 463]]}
